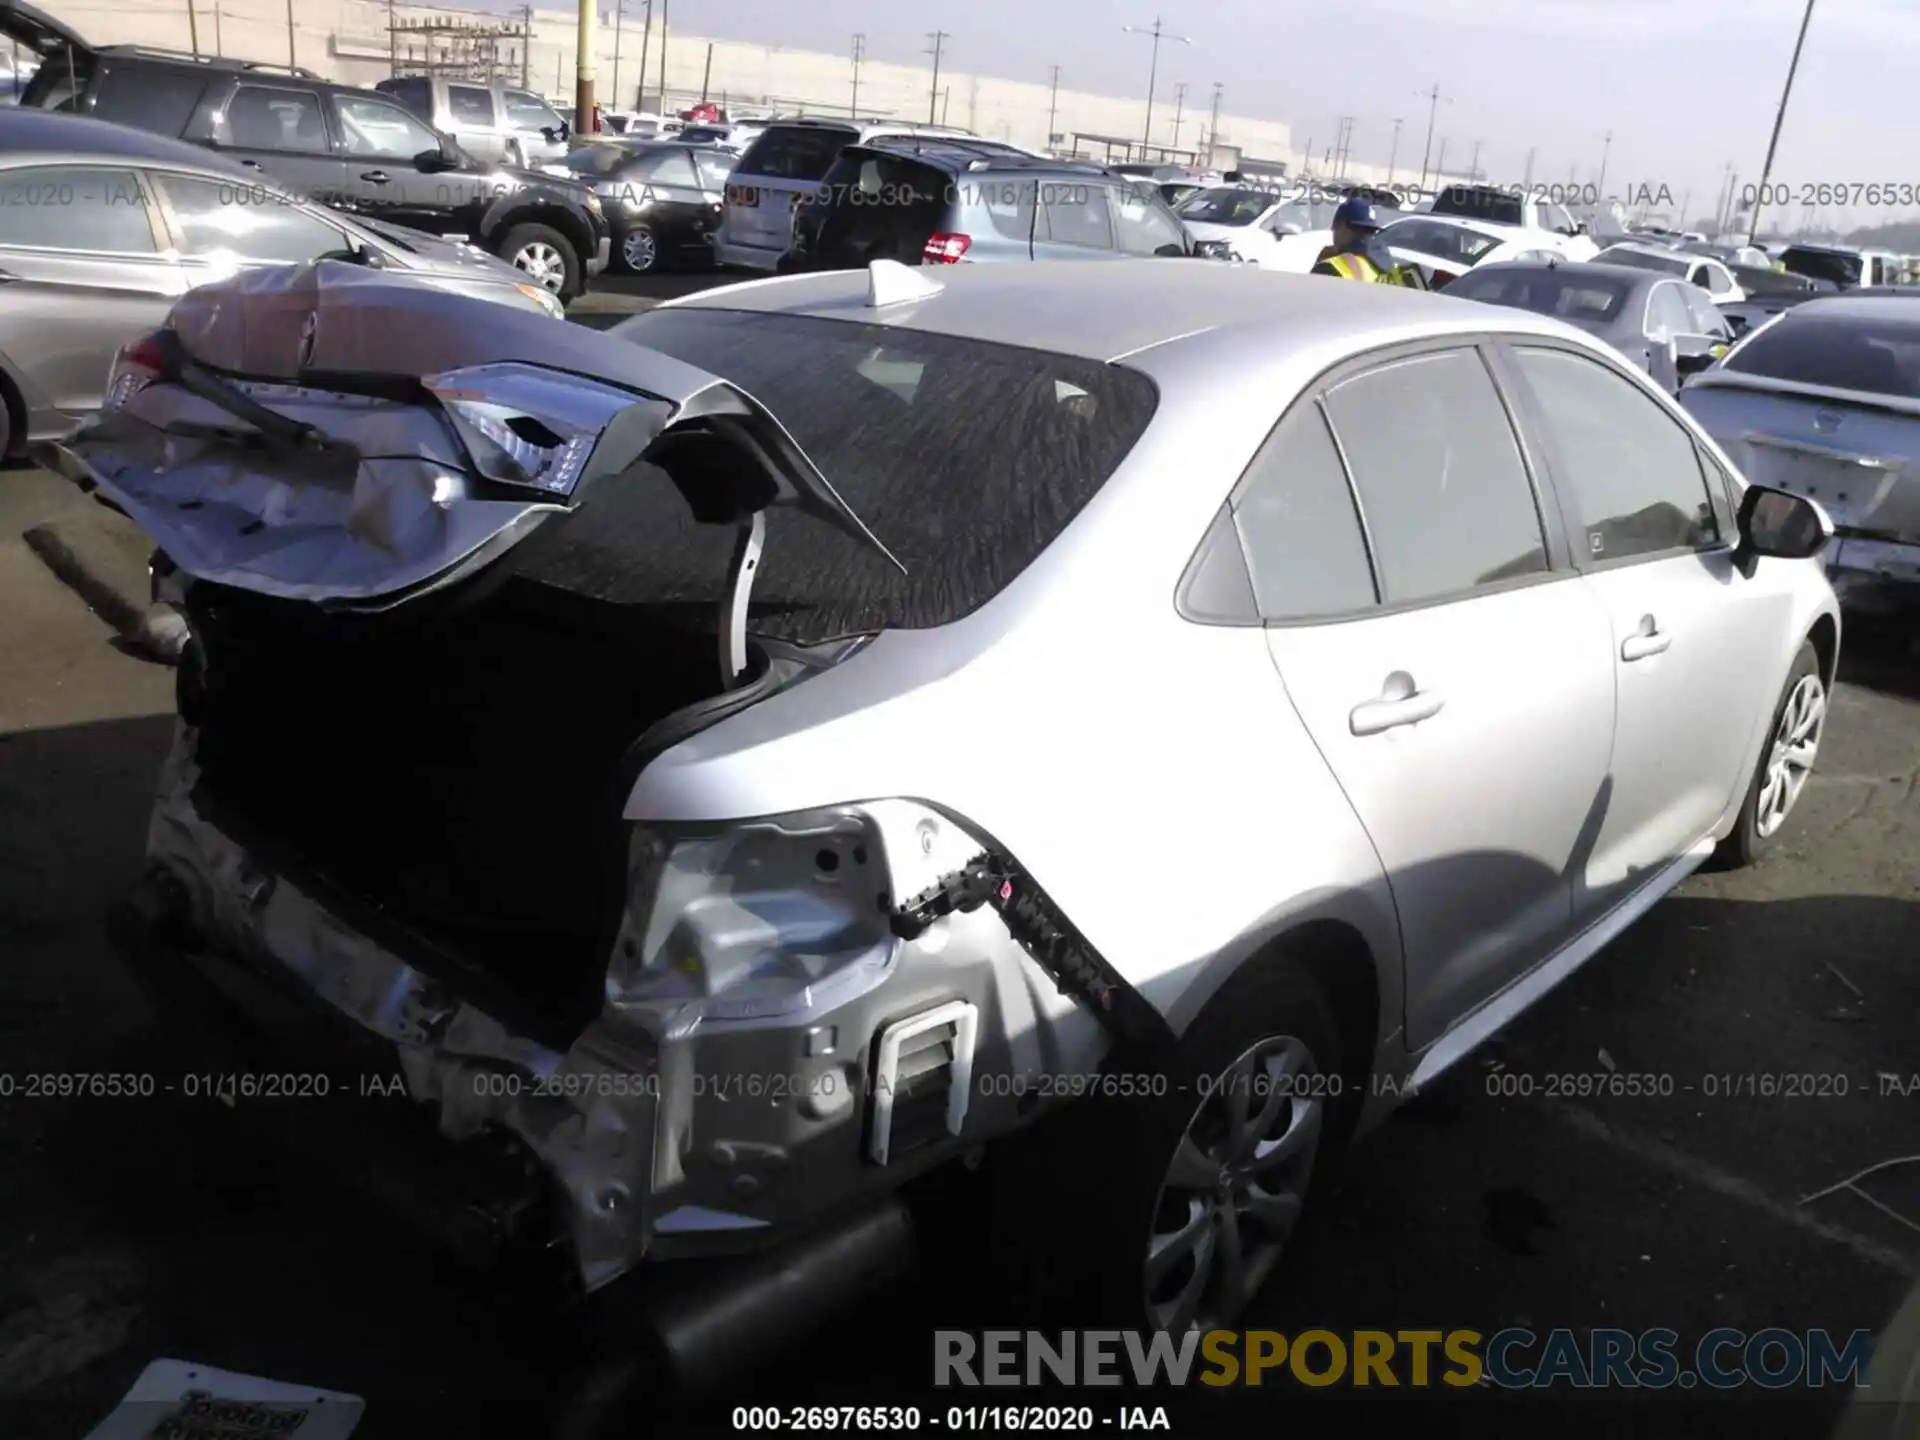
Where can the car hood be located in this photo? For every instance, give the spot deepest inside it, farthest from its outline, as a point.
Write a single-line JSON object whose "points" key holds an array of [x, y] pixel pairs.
{"points": [[420, 251], [1211, 230], [35, 30], [354, 438]]}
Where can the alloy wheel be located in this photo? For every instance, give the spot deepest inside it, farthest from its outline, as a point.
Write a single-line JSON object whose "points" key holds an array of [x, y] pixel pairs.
{"points": [[639, 249], [542, 264], [1234, 1187], [1796, 744]]}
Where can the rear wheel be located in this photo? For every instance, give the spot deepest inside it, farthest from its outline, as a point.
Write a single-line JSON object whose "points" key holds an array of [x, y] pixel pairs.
{"points": [[1786, 763], [7, 403], [545, 256], [640, 250]]}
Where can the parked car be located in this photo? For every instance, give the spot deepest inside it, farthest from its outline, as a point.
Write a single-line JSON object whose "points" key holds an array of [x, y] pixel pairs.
{"points": [[1824, 402], [356, 150], [1707, 273], [103, 227], [1768, 293], [778, 171], [1509, 667], [1500, 205], [1842, 266], [1445, 249], [941, 201], [1265, 227], [1666, 327], [662, 199], [494, 121]]}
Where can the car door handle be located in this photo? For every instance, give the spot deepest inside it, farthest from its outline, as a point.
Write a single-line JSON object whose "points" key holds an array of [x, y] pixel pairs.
{"points": [[1650, 639], [376, 177], [1400, 703], [253, 164]]}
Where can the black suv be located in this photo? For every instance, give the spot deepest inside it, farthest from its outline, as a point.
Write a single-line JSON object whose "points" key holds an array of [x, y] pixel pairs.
{"points": [[349, 148]]}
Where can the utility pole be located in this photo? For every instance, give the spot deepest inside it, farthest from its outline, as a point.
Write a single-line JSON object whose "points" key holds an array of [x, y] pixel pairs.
{"points": [[1606, 148], [939, 38], [1393, 155], [1158, 32], [219, 48], [1526, 185], [859, 53], [1306, 157], [1213, 121], [293, 55], [1440, 162], [619, 13], [1343, 132], [1433, 111], [1473, 165], [1179, 110], [945, 96], [193, 26], [706, 75], [646, 40], [665, 12], [526, 44], [1053, 105], [586, 41], [1686, 204], [1766, 170]]}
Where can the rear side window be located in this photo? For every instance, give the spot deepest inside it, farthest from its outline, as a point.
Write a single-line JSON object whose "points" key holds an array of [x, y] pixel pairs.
{"points": [[1074, 214], [75, 208], [219, 218], [1632, 471], [162, 101], [795, 152], [967, 459], [1301, 534], [469, 105], [1446, 496], [1878, 357], [1142, 226]]}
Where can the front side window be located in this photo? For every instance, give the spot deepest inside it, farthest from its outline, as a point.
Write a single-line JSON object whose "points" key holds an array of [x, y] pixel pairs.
{"points": [[246, 223], [529, 112], [75, 208], [470, 105], [794, 152], [375, 130], [266, 117], [1632, 470], [1441, 481], [1141, 226], [1297, 525], [1667, 314]]}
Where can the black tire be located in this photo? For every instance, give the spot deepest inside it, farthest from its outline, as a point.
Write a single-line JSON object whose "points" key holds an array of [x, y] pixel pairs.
{"points": [[526, 239], [1746, 844], [9, 406], [1100, 1163], [652, 265]]}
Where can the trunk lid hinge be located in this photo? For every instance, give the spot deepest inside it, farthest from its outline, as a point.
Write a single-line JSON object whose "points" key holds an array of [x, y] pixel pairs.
{"points": [[1043, 931]]}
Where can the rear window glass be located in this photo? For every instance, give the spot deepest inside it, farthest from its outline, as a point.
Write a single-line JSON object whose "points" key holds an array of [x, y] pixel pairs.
{"points": [[161, 101], [1495, 206], [602, 159], [795, 152], [1645, 260], [1822, 265], [894, 419], [1879, 357], [1545, 292]]}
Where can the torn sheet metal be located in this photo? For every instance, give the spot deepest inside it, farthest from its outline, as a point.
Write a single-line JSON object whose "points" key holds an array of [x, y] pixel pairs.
{"points": [[179, 1400]]}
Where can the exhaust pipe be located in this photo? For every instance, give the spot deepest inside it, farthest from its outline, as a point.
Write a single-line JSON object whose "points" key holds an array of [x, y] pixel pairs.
{"points": [[683, 1328]]}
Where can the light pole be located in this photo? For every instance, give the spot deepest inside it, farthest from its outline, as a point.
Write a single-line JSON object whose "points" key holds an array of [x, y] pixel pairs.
{"points": [[1158, 32], [1473, 165], [1179, 110], [1606, 148], [1432, 97], [1766, 170], [666, 14], [1440, 161], [1213, 122], [1393, 155], [193, 27], [646, 42], [586, 42], [859, 50], [619, 13], [1053, 105], [939, 38], [1526, 185]]}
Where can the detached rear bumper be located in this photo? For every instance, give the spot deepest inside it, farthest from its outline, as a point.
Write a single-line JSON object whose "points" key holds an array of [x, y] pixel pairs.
{"points": [[1873, 574]]}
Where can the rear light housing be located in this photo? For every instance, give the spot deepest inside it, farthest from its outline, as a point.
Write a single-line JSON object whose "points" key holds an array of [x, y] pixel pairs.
{"points": [[945, 249], [140, 362]]}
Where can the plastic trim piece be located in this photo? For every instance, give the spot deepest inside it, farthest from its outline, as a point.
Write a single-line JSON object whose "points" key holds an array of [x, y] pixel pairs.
{"points": [[965, 1019]]}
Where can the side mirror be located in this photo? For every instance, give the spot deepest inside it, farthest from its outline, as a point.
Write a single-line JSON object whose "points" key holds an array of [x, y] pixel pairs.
{"points": [[431, 162], [1781, 525], [1171, 251]]}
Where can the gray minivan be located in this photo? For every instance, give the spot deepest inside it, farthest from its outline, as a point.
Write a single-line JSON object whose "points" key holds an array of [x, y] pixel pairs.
{"points": [[783, 167], [493, 121]]}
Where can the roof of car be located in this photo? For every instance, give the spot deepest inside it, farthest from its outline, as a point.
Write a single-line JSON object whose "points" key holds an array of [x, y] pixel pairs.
{"points": [[26, 134], [1110, 309], [1625, 274], [1852, 305], [960, 154], [1664, 252]]}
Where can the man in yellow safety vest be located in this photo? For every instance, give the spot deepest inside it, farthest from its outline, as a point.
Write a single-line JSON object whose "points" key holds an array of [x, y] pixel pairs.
{"points": [[1352, 256]]}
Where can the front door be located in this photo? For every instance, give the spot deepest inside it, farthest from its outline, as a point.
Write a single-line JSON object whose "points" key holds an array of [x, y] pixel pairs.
{"points": [[1468, 711], [278, 131], [82, 272], [1687, 635], [384, 146]]}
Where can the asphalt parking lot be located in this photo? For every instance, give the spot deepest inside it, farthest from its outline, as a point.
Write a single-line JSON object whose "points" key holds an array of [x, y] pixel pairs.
{"points": [[134, 1229]]}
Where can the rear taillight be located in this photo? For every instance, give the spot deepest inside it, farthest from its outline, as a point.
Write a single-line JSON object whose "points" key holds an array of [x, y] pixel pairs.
{"points": [[139, 363], [945, 249]]}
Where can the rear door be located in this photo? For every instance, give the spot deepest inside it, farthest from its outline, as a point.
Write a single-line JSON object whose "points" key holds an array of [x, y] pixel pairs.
{"points": [[1688, 637], [1143, 225], [779, 170], [83, 270], [1465, 700], [475, 121], [281, 132]]}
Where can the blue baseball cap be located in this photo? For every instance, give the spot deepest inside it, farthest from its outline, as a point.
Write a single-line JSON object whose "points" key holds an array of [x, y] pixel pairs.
{"points": [[1356, 214]]}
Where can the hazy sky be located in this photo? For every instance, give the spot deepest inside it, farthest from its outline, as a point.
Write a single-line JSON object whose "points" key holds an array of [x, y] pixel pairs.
{"points": [[1686, 86]]}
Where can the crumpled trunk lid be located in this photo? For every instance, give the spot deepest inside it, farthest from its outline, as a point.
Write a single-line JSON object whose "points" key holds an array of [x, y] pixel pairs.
{"points": [[354, 438]]}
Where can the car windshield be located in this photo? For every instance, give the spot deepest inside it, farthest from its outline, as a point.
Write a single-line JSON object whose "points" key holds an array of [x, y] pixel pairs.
{"points": [[1480, 203], [1229, 205], [1306, 214], [1837, 351], [892, 418], [1582, 299], [1645, 260], [1828, 265]]}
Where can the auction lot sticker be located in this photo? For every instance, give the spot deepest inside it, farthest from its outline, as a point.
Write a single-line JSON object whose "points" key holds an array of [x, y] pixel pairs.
{"points": [[178, 1400]]}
